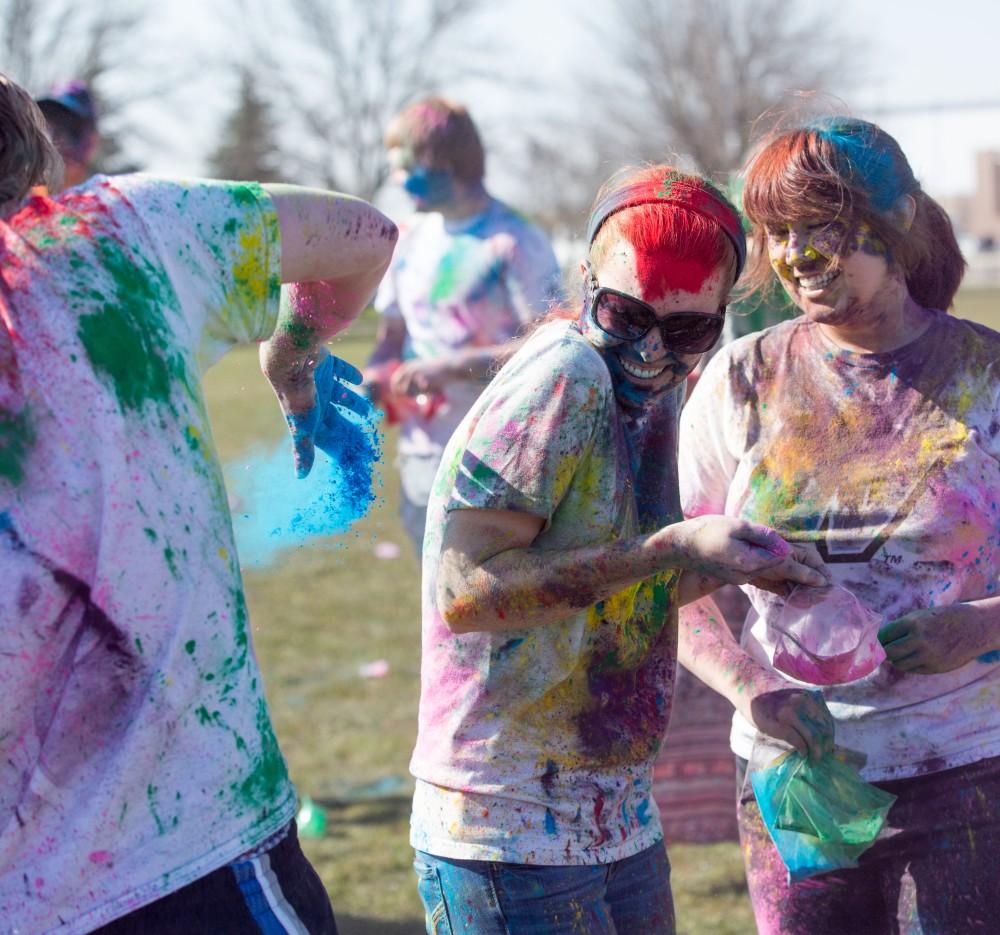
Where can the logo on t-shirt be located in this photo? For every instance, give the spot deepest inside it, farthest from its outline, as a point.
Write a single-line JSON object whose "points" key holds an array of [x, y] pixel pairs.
{"points": [[856, 536]]}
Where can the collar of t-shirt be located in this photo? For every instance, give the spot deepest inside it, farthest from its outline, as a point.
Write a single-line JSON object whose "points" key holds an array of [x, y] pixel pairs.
{"points": [[466, 224], [839, 357]]}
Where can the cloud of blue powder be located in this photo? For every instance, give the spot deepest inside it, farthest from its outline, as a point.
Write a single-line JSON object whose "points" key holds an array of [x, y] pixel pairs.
{"points": [[274, 511]]}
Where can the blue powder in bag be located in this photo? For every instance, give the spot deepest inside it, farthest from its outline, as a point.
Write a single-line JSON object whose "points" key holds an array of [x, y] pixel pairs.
{"points": [[273, 510]]}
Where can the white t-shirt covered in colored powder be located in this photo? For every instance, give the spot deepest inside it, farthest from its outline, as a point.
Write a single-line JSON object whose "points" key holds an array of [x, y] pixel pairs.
{"points": [[464, 284], [536, 745], [136, 753], [890, 463]]}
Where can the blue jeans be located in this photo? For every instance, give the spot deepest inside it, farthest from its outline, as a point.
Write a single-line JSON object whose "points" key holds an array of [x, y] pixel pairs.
{"points": [[482, 897]]}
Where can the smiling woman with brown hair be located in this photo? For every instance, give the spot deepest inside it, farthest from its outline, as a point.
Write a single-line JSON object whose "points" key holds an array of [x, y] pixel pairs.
{"points": [[870, 427]]}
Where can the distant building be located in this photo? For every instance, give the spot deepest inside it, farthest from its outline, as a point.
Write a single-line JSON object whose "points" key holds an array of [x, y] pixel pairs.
{"points": [[984, 210], [977, 216], [977, 223]]}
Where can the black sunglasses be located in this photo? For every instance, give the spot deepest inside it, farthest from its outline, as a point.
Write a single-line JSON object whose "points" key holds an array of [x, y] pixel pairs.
{"points": [[627, 318]]}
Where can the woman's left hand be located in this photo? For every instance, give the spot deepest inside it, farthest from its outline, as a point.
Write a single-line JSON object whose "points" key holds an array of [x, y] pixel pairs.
{"points": [[937, 639]]}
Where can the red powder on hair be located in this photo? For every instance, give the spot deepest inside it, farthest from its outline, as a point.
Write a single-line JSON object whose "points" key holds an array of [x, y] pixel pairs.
{"points": [[428, 119], [675, 248], [662, 271]]}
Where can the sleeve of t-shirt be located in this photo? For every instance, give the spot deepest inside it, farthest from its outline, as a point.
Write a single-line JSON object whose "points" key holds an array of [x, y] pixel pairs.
{"points": [[533, 275], [705, 462], [220, 246], [535, 430], [387, 297]]}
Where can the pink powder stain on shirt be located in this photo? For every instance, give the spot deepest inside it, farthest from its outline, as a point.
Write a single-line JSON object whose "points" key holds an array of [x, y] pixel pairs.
{"points": [[99, 857], [438, 706], [598, 818]]}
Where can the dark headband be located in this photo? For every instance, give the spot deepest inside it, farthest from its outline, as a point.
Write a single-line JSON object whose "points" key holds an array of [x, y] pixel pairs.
{"points": [[677, 191]]}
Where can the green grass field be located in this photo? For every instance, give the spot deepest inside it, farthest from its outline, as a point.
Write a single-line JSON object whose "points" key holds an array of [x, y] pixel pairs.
{"points": [[322, 613]]}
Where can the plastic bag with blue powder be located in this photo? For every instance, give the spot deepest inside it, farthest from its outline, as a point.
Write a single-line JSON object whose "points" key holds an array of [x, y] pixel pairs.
{"points": [[821, 816]]}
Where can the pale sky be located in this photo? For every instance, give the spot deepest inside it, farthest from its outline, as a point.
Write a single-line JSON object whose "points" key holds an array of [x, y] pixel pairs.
{"points": [[923, 52]]}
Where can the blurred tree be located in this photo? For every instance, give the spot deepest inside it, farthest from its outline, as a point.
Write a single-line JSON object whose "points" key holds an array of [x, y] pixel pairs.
{"points": [[696, 74], [339, 70], [248, 148], [681, 81], [560, 177], [46, 41]]}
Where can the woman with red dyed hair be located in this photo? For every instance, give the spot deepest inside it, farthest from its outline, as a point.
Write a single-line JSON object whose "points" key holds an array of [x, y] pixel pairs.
{"points": [[554, 562], [870, 427]]}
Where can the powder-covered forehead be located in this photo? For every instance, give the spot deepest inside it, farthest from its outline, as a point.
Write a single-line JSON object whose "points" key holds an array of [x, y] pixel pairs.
{"points": [[661, 271], [673, 249]]}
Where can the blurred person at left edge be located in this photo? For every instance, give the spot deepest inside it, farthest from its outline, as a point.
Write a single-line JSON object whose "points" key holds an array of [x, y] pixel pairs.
{"points": [[141, 785], [71, 115]]}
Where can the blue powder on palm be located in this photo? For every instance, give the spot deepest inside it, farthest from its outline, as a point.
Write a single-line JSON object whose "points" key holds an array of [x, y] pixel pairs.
{"points": [[274, 511]]}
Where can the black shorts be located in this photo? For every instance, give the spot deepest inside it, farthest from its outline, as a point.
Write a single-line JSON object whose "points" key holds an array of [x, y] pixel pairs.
{"points": [[276, 893]]}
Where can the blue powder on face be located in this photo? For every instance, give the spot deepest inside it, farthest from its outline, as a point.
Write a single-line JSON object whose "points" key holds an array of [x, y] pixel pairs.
{"points": [[273, 510], [990, 657]]}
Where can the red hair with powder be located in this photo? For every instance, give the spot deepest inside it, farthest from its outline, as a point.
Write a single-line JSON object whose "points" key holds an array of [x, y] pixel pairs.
{"points": [[675, 247]]}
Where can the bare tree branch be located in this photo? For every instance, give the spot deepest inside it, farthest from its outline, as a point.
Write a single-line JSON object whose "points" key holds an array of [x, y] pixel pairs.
{"points": [[681, 81], [696, 73], [340, 69], [46, 41]]}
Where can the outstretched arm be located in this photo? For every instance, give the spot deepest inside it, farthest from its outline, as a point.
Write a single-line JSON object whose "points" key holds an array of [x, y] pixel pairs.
{"points": [[327, 235], [775, 706], [471, 363], [335, 250], [492, 578]]}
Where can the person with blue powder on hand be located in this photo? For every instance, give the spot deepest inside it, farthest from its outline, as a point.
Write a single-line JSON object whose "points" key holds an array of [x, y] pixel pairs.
{"points": [[868, 426], [469, 274], [141, 785], [555, 560]]}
